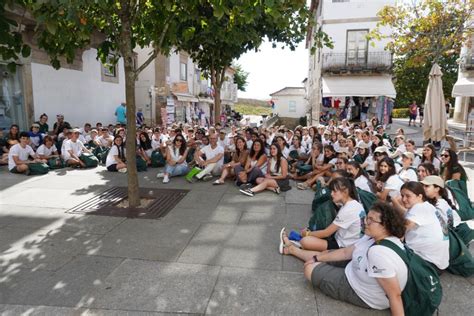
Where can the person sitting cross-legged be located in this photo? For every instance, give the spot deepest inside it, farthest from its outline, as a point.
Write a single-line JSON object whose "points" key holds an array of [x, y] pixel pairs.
{"points": [[73, 149], [18, 155], [237, 164], [116, 156], [176, 154], [214, 159]]}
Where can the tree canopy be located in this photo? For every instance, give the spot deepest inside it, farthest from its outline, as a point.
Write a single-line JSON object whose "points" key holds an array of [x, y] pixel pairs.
{"points": [[240, 77], [426, 30]]}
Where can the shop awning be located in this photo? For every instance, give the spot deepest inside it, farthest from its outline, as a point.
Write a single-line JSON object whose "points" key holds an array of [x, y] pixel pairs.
{"points": [[185, 97], [354, 86], [464, 87]]}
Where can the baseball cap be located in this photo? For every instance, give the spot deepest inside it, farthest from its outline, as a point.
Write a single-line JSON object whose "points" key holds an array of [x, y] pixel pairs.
{"points": [[409, 155], [381, 149], [433, 180], [60, 115], [362, 145], [76, 130], [35, 125]]}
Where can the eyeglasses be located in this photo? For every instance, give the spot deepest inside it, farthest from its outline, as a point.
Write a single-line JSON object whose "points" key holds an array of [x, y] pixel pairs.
{"points": [[445, 155], [369, 220]]}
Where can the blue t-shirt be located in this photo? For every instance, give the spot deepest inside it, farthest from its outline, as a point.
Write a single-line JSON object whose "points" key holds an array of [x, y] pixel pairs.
{"points": [[121, 113]]}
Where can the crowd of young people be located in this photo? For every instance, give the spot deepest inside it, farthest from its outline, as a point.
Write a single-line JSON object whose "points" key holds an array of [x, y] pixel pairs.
{"points": [[414, 204]]}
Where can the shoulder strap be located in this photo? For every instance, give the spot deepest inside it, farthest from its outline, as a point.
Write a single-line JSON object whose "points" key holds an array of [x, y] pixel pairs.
{"points": [[390, 244]]}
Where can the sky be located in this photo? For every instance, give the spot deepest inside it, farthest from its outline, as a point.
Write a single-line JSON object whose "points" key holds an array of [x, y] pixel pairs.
{"points": [[272, 69]]}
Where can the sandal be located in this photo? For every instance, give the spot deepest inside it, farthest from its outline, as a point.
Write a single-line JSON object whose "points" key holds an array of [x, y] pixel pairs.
{"points": [[217, 182], [282, 243], [302, 186], [277, 190]]}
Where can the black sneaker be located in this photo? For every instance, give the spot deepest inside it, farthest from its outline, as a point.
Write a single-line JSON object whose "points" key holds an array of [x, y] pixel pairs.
{"points": [[247, 192], [245, 186]]}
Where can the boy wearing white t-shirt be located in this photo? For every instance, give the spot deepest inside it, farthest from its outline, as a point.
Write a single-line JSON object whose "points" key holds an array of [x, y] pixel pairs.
{"points": [[19, 154], [214, 159], [73, 149]]}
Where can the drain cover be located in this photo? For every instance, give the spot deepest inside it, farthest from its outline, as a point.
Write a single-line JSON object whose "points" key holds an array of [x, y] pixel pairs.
{"points": [[161, 202]]}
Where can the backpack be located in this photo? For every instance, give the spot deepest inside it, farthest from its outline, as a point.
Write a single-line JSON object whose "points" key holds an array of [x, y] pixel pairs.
{"points": [[157, 159], [366, 198], [56, 163], [465, 209], [423, 293], [141, 164], [38, 168], [323, 209], [89, 160]]}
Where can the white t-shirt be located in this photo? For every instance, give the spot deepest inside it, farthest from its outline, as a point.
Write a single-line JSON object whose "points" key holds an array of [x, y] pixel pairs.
{"points": [[444, 209], [362, 183], [21, 153], [45, 151], [372, 262], [370, 163], [427, 238], [393, 183], [211, 153], [76, 147], [104, 141], [350, 220], [111, 156], [286, 152], [408, 175]]}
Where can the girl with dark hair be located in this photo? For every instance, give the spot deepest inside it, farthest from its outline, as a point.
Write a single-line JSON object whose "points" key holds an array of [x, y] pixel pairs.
{"points": [[115, 160], [451, 169], [43, 119], [255, 166], [388, 183], [361, 178], [281, 141], [345, 230], [145, 149], [276, 179], [297, 151], [426, 169], [266, 146], [375, 277], [13, 136], [175, 155], [329, 163], [239, 158], [429, 155], [425, 232]]}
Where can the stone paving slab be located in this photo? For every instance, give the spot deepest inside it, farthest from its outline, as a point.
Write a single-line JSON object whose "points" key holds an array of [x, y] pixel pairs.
{"points": [[66, 287], [258, 292], [218, 215], [458, 294], [296, 196], [249, 246], [32, 310], [147, 239], [42, 249], [156, 286]]}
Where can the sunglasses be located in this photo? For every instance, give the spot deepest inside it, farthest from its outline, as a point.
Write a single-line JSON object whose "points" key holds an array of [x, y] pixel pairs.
{"points": [[445, 155]]}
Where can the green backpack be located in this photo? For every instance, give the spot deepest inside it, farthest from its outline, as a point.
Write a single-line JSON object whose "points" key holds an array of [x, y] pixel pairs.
{"points": [[141, 164], [101, 153], [465, 209], [423, 293], [367, 199], [89, 160], [323, 209], [157, 159], [56, 163], [38, 168], [461, 261]]}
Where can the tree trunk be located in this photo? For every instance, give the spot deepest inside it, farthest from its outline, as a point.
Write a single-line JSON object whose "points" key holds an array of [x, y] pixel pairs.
{"points": [[217, 104], [126, 51]]}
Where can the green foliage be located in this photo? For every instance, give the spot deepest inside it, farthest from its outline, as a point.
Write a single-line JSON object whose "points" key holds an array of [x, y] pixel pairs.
{"points": [[247, 109], [412, 81], [240, 76], [401, 113], [303, 121], [320, 40], [426, 30]]}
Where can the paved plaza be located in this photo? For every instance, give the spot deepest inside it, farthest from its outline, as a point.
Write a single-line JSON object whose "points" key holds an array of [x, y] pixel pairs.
{"points": [[216, 252]]}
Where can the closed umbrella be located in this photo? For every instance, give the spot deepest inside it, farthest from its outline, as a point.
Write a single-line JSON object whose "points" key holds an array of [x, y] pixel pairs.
{"points": [[435, 121]]}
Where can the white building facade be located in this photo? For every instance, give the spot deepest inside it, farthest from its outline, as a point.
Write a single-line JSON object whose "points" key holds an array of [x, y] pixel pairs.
{"points": [[290, 102], [173, 89], [355, 72]]}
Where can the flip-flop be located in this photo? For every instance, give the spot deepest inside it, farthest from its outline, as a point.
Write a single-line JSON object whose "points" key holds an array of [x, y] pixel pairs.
{"points": [[217, 182], [282, 243]]}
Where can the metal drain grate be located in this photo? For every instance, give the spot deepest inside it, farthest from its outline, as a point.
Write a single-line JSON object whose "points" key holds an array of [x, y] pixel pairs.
{"points": [[106, 203]]}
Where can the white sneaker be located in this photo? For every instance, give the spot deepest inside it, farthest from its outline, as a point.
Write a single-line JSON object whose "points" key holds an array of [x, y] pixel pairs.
{"points": [[166, 179], [160, 175], [123, 170]]}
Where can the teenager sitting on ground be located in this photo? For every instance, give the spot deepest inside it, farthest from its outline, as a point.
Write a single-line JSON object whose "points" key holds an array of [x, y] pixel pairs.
{"points": [[144, 149], [214, 159], [410, 146], [316, 158], [276, 178], [425, 169], [429, 155], [388, 183], [346, 228], [424, 231], [116, 156], [36, 137], [18, 156], [281, 141], [73, 148], [13, 136], [319, 172], [375, 277], [48, 150], [176, 154], [361, 178], [237, 163], [255, 166], [104, 140], [408, 173], [451, 169]]}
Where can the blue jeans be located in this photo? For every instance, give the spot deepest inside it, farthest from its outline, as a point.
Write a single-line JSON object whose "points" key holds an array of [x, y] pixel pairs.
{"points": [[177, 170]]}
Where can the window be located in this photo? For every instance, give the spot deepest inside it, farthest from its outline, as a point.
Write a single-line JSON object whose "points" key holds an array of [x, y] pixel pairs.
{"points": [[292, 106], [109, 73], [183, 72], [357, 45]]}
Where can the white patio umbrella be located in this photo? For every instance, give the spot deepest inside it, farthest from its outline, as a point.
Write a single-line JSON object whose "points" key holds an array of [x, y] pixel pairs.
{"points": [[435, 123]]}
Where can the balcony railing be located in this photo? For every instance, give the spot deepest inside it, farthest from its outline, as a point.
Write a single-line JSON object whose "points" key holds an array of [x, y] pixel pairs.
{"points": [[342, 62]]}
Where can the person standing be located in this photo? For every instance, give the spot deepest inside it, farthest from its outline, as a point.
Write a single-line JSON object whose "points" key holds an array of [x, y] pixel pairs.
{"points": [[121, 113], [140, 118], [421, 113], [413, 108]]}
